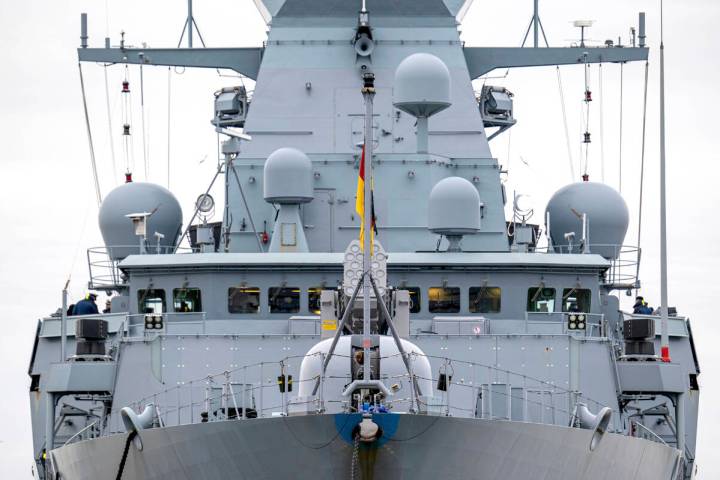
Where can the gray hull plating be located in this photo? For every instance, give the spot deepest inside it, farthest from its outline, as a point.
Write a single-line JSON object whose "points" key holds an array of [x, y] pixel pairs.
{"points": [[413, 447]]}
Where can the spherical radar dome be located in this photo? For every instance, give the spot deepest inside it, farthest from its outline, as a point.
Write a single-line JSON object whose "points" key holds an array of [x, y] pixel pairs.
{"points": [[606, 211], [454, 207], [422, 85], [139, 197], [288, 177]]}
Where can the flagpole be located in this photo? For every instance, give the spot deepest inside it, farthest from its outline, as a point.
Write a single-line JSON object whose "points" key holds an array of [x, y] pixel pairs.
{"points": [[368, 92], [664, 338]]}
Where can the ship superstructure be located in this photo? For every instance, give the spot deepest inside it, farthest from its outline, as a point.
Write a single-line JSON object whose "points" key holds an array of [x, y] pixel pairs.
{"points": [[474, 352]]}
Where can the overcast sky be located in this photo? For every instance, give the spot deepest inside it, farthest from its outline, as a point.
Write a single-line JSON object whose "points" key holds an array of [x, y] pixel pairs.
{"points": [[47, 201]]}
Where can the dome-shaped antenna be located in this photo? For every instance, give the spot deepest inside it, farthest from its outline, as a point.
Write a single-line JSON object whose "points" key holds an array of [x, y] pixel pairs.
{"points": [[288, 177], [162, 219], [590, 207], [288, 181], [422, 89], [454, 210]]}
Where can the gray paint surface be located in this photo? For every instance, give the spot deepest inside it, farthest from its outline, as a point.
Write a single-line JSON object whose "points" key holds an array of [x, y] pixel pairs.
{"points": [[307, 97], [422, 447]]}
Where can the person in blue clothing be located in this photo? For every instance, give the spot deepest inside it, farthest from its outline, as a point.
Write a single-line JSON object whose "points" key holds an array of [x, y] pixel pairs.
{"points": [[641, 307], [86, 306]]}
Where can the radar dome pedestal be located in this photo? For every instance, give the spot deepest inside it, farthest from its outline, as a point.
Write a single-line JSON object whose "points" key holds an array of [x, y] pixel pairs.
{"points": [[288, 182], [454, 210], [135, 197], [606, 213], [422, 89]]}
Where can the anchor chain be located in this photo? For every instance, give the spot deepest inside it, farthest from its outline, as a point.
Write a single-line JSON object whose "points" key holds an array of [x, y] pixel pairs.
{"points": [[355, 454]]}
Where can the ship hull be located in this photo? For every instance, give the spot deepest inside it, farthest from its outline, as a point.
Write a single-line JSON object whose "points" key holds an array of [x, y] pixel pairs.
{"points": [[412, 447]]}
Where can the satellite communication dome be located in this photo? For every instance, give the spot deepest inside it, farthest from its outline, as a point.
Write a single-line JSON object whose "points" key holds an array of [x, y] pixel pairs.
{"points": [[288, 177], [139, 197], [422, 85], [454, 207], [607, 216]]}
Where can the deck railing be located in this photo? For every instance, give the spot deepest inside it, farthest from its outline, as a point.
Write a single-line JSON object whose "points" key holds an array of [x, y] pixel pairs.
{"points": [[624, 261], [472, 390], [103, 268]]}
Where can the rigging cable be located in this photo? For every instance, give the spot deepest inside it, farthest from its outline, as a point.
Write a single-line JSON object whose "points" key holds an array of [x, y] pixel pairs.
{"points": [[142, 114], [565, 124], [90, 140], [168, 124], [586, 100], [602, 121], [127, 122], [621, 130], [642, 171], [110, 127]]}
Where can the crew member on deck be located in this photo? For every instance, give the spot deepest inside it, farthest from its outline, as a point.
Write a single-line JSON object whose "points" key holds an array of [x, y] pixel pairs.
{"points": [[86, 306], [641, 307]]}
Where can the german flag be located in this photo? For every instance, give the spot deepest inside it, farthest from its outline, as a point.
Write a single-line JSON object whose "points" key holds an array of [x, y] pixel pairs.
{"points": [[360, 203]]}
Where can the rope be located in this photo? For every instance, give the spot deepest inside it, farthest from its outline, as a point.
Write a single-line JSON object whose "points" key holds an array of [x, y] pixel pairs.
{"points": [[621, 130], [90, 140], [565, 124], [322, 445], [642, 168], [602, 121], [413, 437], [110, 127], [128, 441]]}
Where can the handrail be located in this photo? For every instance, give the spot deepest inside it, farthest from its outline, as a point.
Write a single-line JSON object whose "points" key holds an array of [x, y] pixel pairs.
{"points": [[179, 404], [104, 269], [79, 432], [635, 422], [623, 264]]}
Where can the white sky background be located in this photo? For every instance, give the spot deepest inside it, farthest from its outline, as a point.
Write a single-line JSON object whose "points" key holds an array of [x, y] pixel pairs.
{"points": [[47, 202]]}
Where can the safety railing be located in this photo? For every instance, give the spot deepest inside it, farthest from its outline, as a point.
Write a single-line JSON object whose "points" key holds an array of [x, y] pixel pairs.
{"points": [[103, 264], [103, 269], [624, 260], [460, 388], [639, 430]]}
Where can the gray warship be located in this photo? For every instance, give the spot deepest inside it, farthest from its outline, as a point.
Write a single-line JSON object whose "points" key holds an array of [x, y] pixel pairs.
{"points": [[364, 309]]}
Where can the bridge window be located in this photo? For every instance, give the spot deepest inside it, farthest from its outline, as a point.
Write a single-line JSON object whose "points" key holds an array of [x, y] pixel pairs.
{"points": [[314, 299], [541, 300], [186, 300], [415, 298], [151, 300], [576, 300], [484, 299], [444, 299], [284, 299], [243, 299]]}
